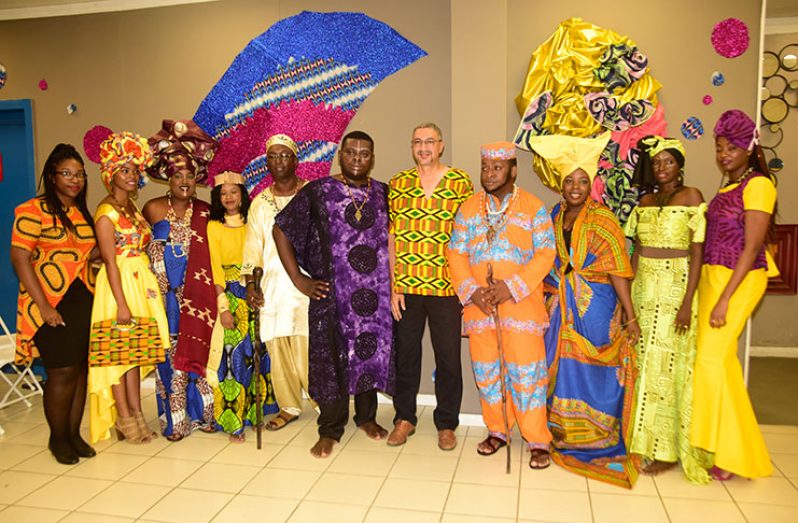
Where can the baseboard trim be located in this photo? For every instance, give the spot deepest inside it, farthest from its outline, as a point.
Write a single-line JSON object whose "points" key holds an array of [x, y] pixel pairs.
{"points": [[428, 400], [761, 351]]}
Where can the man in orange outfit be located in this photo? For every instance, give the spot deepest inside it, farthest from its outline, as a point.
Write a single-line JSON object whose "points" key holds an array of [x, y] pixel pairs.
{"points": [[506, 230]]}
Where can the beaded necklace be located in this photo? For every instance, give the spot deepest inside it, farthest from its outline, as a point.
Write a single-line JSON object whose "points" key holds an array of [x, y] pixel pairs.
{"points": [[270, 197], [740, 179], [179, 228], [495, 224]]}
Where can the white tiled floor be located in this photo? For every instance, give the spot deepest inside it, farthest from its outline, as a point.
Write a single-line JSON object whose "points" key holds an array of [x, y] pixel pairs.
{"points": [[206, 478]]}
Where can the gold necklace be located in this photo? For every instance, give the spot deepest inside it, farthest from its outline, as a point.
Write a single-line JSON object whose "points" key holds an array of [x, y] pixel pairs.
{"points": [[741, 178], [268, 193], [358, 208]]}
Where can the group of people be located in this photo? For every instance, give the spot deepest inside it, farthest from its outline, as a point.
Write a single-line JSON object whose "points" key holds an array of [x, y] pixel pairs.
{"points": [[608, 364]]}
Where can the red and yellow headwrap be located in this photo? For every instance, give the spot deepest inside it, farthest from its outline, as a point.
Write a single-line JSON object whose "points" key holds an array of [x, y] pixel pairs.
{"points": [[121, 148], [182, 145]]}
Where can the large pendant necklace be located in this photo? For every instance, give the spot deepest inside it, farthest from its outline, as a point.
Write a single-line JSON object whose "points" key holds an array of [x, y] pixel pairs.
{"points": [[358, 207], [131, 216], [493, 223], [179, 228]]}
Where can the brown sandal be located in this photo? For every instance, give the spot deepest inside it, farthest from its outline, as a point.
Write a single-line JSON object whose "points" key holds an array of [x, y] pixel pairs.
{"points": [[535, 459], [280, 421], [494, 443]]}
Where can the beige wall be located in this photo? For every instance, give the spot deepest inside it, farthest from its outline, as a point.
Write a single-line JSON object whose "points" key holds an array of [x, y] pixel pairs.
{"points": [[129, 70]]}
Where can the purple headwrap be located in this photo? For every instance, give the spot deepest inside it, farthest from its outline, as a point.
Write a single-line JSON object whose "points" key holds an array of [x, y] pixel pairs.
{"points": [[738, 128]]}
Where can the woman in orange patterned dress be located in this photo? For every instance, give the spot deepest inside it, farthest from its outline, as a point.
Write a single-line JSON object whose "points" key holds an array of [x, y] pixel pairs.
{"points": [[51, 245]]}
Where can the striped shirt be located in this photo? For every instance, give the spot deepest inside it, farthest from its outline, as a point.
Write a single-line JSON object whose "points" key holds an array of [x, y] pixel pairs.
{"points": [[422, 227]]}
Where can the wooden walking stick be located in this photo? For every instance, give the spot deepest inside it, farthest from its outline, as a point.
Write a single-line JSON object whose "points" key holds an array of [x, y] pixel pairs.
{"points": [[257, 350], [497, 321]]}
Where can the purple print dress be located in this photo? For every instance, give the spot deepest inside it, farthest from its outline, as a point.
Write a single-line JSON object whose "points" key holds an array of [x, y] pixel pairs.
{"points": [[351, 330]]}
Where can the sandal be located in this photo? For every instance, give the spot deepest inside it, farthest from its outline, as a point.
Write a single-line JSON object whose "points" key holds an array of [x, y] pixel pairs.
{"points": [[718, 474], [280, 421], [535, 460], [494, 443]]}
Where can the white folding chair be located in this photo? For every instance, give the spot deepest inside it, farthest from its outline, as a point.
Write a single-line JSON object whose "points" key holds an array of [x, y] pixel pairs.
{"points": [[20, 377]]}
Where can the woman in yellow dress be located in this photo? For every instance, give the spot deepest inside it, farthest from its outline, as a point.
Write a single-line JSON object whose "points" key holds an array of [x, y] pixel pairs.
{"points": [[733, 280], [668, 228], [125, 289]]}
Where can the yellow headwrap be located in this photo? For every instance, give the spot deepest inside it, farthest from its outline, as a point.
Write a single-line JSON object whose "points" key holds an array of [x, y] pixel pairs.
{"points": [[121, 148], [228, 177], [282, 139], [565, 154], [657, 144]]}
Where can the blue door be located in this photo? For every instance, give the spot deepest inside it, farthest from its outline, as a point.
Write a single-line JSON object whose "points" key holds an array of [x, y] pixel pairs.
{"points": [[18, 185]]}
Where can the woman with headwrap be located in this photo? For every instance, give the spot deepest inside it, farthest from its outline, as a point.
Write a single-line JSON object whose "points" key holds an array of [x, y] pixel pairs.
{"points": [[668, 229], [126, 293], [589, 342], [181, 262], [52, 242], [733, 280]]}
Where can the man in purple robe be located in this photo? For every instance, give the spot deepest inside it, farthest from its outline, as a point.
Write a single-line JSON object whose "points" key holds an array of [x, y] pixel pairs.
{"points": [[336, 230]]}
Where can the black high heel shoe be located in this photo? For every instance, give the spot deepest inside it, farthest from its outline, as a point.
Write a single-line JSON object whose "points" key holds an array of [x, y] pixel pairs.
{"points": [[83, 449], [63, 452]]}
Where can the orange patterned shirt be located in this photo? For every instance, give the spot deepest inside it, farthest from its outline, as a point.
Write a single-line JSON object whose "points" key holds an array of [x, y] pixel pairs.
{"points": [[58, 258]]}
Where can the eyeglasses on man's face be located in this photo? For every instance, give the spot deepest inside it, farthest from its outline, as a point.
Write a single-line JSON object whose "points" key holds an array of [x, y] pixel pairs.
{"points": [[279, 156], [429, 142]]}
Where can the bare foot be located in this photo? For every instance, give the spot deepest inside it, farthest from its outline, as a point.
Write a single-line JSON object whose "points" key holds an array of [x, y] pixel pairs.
{"points": [[373, 430], [657, 467], [323, 447], [238, 438]]}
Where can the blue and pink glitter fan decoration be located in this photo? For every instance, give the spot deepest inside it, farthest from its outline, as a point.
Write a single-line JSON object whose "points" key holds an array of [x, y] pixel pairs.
{"points": [[305, 77]]}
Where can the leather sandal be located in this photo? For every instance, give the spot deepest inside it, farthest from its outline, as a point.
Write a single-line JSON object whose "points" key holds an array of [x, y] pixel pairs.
{"points": [[280, 421], [494, 443], [536, 458]]}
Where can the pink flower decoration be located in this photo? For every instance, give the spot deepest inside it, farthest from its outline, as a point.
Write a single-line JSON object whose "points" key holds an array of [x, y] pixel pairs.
{"points": [[92, 140], [43, 84], [707, 99], [730, 37]]}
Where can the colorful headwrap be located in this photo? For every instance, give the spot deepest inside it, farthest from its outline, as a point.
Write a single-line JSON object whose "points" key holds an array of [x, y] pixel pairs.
{"points": [[565, 154], [498, 151], [654, 145], [179, 145], [228, 177], [282, 139], [738, 128], [121, 148]]}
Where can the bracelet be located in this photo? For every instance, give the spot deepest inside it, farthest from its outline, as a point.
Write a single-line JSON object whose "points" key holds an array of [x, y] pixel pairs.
{"points": [[629, 322], [250, 282]]}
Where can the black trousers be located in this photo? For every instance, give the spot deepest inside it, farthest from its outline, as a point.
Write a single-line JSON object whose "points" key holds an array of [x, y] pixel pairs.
{"points": [[333, 416], [444, 314]]}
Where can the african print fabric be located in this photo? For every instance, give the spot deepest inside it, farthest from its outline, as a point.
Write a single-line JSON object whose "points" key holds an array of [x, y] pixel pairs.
{"points": [[665, 358], [422, 228], [131, 236], [351, 330], [58, 258], [520, 253], [234, 398], [591, 362], [306, 77]]}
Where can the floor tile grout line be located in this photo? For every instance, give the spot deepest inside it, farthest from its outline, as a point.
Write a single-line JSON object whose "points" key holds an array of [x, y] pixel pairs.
{"points": [[734, 500]]}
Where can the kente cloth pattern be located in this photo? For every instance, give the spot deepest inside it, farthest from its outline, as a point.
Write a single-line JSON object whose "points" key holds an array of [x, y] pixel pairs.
{"points": [[58, 257], [306, 77], [234, 398], [138, 345], [665, 358], [591, 363], [351, 330], [521, 254], [582, 81], [185, 398], [726, 227], [422, 228], [131, 237], [723, 421]]}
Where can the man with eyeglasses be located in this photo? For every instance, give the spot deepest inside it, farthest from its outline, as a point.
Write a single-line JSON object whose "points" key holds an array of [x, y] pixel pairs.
{"points": [[283, 309], [423, 202], [336, 230]]}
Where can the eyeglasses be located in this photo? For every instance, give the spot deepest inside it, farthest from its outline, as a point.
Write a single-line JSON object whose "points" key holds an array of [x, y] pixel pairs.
{"points": [[281, 156], [69, 175], [429, 142]]}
